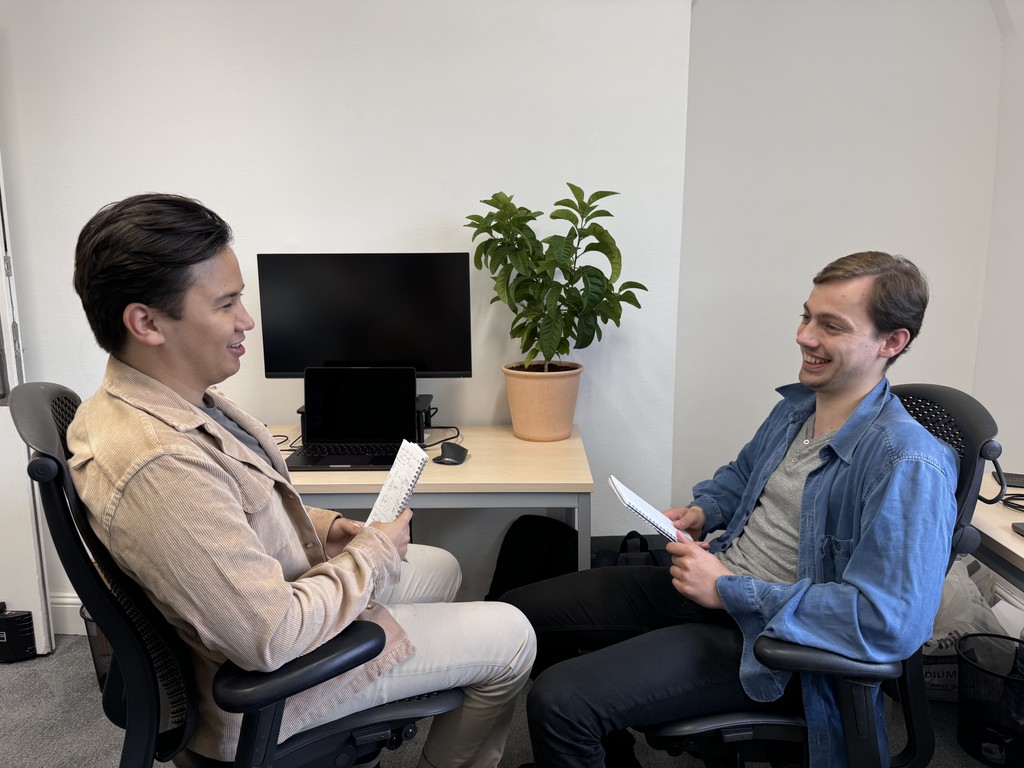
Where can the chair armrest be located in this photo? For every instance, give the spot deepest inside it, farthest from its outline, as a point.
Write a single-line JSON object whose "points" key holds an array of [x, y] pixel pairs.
{"points": [[236, 690], [792, 657]]}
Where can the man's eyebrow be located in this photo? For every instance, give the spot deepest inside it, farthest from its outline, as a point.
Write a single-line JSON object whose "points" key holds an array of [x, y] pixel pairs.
{"points": [[229, 295], [827, 316]]}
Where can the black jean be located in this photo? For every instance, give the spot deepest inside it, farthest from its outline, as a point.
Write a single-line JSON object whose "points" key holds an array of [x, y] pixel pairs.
{"points": [[618, 647]]}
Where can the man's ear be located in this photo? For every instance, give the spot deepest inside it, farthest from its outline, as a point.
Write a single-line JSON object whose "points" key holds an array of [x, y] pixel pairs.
{"points": [[143, 324], [894, 342]]}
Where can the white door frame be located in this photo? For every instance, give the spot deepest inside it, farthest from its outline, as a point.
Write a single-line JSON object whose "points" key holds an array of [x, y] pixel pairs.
{"points": [[22, 565]]}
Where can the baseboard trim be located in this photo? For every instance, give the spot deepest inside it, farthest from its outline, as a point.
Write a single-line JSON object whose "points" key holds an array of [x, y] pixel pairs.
{"points": [[64, 614]]}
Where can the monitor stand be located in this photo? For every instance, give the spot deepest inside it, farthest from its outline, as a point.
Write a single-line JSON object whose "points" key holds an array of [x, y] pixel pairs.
{"points": [[422, 416]]}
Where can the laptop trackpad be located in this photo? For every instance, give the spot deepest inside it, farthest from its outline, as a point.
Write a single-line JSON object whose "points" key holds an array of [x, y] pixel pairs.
{"points": [[344, 462]]}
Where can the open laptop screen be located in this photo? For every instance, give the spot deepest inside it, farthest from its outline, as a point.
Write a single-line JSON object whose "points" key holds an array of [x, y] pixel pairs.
{"points": [[359, 405]]}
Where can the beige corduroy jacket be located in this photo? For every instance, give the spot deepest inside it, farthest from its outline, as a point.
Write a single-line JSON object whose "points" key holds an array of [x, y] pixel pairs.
{"points": [[223, 545]]}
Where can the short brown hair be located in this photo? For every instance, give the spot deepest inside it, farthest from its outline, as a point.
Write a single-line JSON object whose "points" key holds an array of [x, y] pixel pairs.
{"points": [[899, 292], [142, 249]]}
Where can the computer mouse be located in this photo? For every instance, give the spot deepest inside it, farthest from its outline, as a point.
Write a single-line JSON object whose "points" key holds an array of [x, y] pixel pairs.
{"points": [[451, 453]]}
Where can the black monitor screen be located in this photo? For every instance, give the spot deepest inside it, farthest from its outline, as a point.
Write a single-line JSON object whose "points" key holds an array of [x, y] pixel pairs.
{"points": [[365, 309]]}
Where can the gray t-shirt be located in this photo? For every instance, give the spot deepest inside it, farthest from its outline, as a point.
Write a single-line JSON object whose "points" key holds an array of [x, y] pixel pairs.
{"points": [[767, 547], [231, 426]]}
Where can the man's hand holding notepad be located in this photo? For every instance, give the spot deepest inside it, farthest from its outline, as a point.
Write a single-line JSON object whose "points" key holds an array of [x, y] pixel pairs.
{"points": [[398, 487], [653, 516]]}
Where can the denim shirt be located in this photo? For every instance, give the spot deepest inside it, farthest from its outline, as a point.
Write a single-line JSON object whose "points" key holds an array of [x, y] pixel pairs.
{"points": [[876, 521]]}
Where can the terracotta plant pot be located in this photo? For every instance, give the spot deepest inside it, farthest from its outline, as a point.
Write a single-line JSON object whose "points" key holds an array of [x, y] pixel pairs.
{"points": [[542, 403]]}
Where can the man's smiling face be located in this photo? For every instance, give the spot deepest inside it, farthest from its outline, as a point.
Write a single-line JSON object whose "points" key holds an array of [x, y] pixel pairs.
{"points": [[842, 350], [204, 347]]}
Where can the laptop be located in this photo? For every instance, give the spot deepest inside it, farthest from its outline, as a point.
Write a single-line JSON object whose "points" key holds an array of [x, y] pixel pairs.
{"points": [[355, 418]]}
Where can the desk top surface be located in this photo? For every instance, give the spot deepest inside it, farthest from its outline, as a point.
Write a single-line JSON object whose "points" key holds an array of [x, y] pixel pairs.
{"points": [[993, 522], [498, 462]]}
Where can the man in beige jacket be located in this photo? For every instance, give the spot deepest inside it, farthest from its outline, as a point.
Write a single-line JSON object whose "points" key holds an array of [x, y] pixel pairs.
{"points": [[191, 495]]}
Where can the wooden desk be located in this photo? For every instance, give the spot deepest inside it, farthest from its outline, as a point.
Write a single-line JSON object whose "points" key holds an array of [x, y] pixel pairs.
{"points": [[501, 471], [1001, 549]]}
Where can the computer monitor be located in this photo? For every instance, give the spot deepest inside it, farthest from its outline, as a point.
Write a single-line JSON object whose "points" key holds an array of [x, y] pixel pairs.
{"points": [[365, 309]]}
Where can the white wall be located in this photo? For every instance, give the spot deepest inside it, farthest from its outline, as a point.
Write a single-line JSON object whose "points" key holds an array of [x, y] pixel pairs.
{"points": [[817, 129], [999, 375], [346, 126]]}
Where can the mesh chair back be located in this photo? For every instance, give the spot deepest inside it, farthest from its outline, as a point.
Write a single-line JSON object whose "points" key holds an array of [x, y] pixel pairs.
{"points": [[148, 656], [966, 425]]}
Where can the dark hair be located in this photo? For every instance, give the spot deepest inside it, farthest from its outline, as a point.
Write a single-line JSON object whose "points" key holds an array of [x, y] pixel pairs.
{"points": [[141, 249], [899, 292]]}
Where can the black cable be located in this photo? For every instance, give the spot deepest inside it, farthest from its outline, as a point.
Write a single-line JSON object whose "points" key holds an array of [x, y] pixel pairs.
{"points": [[1014, 501]]}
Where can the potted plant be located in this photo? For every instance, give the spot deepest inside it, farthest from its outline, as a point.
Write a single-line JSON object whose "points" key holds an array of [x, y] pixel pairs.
{"points": [[559, 294]]}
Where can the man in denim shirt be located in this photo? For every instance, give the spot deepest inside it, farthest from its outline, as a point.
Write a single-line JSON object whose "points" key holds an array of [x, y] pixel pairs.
{"points": [[837, 520]]}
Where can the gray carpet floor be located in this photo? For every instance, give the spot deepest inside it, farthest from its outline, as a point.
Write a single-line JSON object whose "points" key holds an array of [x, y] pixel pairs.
{"points": [[50, 717]]}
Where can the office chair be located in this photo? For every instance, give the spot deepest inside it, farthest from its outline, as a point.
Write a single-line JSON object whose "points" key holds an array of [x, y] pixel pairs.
{"points": [[149, 688], [731, 739]]}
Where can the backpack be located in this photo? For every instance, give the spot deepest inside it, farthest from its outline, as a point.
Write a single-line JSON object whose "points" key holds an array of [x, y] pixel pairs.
{"points": [[534, 548], [632, 549]]}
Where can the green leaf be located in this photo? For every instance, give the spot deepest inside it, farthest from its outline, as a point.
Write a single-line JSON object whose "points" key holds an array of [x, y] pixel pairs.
{"points": [[518, 259], [566, 202], [585, 330], [551, 300], [630, 298], [550, 335], [600, 196], [612, 309], [594, 284], [502, 284], [573, 299], [577, 192], [559, 250], [529, 336], [478, 255], [606, 245], [632, 284], [568, 215]]}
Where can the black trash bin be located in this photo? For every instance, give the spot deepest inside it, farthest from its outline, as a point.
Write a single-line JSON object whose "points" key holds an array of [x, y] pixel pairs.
{"points": [[990, 698]]}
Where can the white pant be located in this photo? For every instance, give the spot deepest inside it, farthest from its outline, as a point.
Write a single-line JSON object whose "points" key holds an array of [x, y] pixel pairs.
{"points": [[485, 648]]}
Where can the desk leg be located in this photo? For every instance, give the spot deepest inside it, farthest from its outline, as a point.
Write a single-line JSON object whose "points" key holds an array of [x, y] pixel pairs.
{"points": [[582, 525]]}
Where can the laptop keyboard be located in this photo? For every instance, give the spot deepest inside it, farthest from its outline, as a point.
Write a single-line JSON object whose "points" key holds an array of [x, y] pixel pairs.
{"points": [[349, 449]]}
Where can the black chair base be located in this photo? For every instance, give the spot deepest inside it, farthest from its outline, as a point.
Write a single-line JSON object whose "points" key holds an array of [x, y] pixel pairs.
{"points": [[348, 741], [735, 739]]}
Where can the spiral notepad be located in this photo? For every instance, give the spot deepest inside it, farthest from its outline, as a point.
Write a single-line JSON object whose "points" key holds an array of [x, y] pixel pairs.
{"points": [[401, 481], [645, 510]]}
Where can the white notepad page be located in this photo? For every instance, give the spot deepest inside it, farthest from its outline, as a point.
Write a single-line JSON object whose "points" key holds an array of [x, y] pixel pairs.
{"points": [[653, 516], [398, 487]]}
